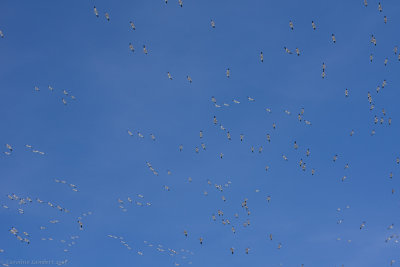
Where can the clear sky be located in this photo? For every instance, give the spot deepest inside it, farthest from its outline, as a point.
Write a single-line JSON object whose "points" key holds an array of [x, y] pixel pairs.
{"points": [[86, 143]]}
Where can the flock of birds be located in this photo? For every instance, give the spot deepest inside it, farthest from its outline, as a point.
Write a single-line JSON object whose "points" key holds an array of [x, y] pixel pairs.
{"points": [[241, 218]]}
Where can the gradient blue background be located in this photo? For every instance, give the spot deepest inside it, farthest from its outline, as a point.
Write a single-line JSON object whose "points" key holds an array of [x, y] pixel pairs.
{"points": [[63, 44]]}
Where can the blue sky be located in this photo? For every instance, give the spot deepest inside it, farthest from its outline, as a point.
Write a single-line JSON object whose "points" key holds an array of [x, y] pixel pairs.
{"points": [[64, 45]]}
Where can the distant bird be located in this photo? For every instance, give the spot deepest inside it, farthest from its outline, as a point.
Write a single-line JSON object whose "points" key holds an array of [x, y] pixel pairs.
{"points": [[365, 3], [132, 25], [107, 16], [385, 19], [1, 34], [313, 25], [145, 49], [362, 225], [228, 73], [291, 25], [96, 12], [346, 92], [169, 75], [268, 138], [297, 51], [373, 39], [287, 50], [189, 79], [212, 24], [334, 38], [371, 57], [379, 7], [262, 56], [181, 3], [131, 47]]}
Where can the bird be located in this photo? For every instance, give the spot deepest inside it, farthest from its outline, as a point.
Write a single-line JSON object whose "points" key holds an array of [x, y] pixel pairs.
{"points": [[346, 92], [96, 12], [180, 3], [189, 79], [132, 25], [287, 50], [334, 38], [185, 233], [131, 47], [268, 138], [313, 25], [385, 19], [1, 34], [362, 225], [169, 75], [365, 3], [212, 23], [379, 7], [228, 72], [373, 39], [291, 25], [107, 16], [201, 241], [297, 51], [145, 49], [9, 147], [262, 56]]}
